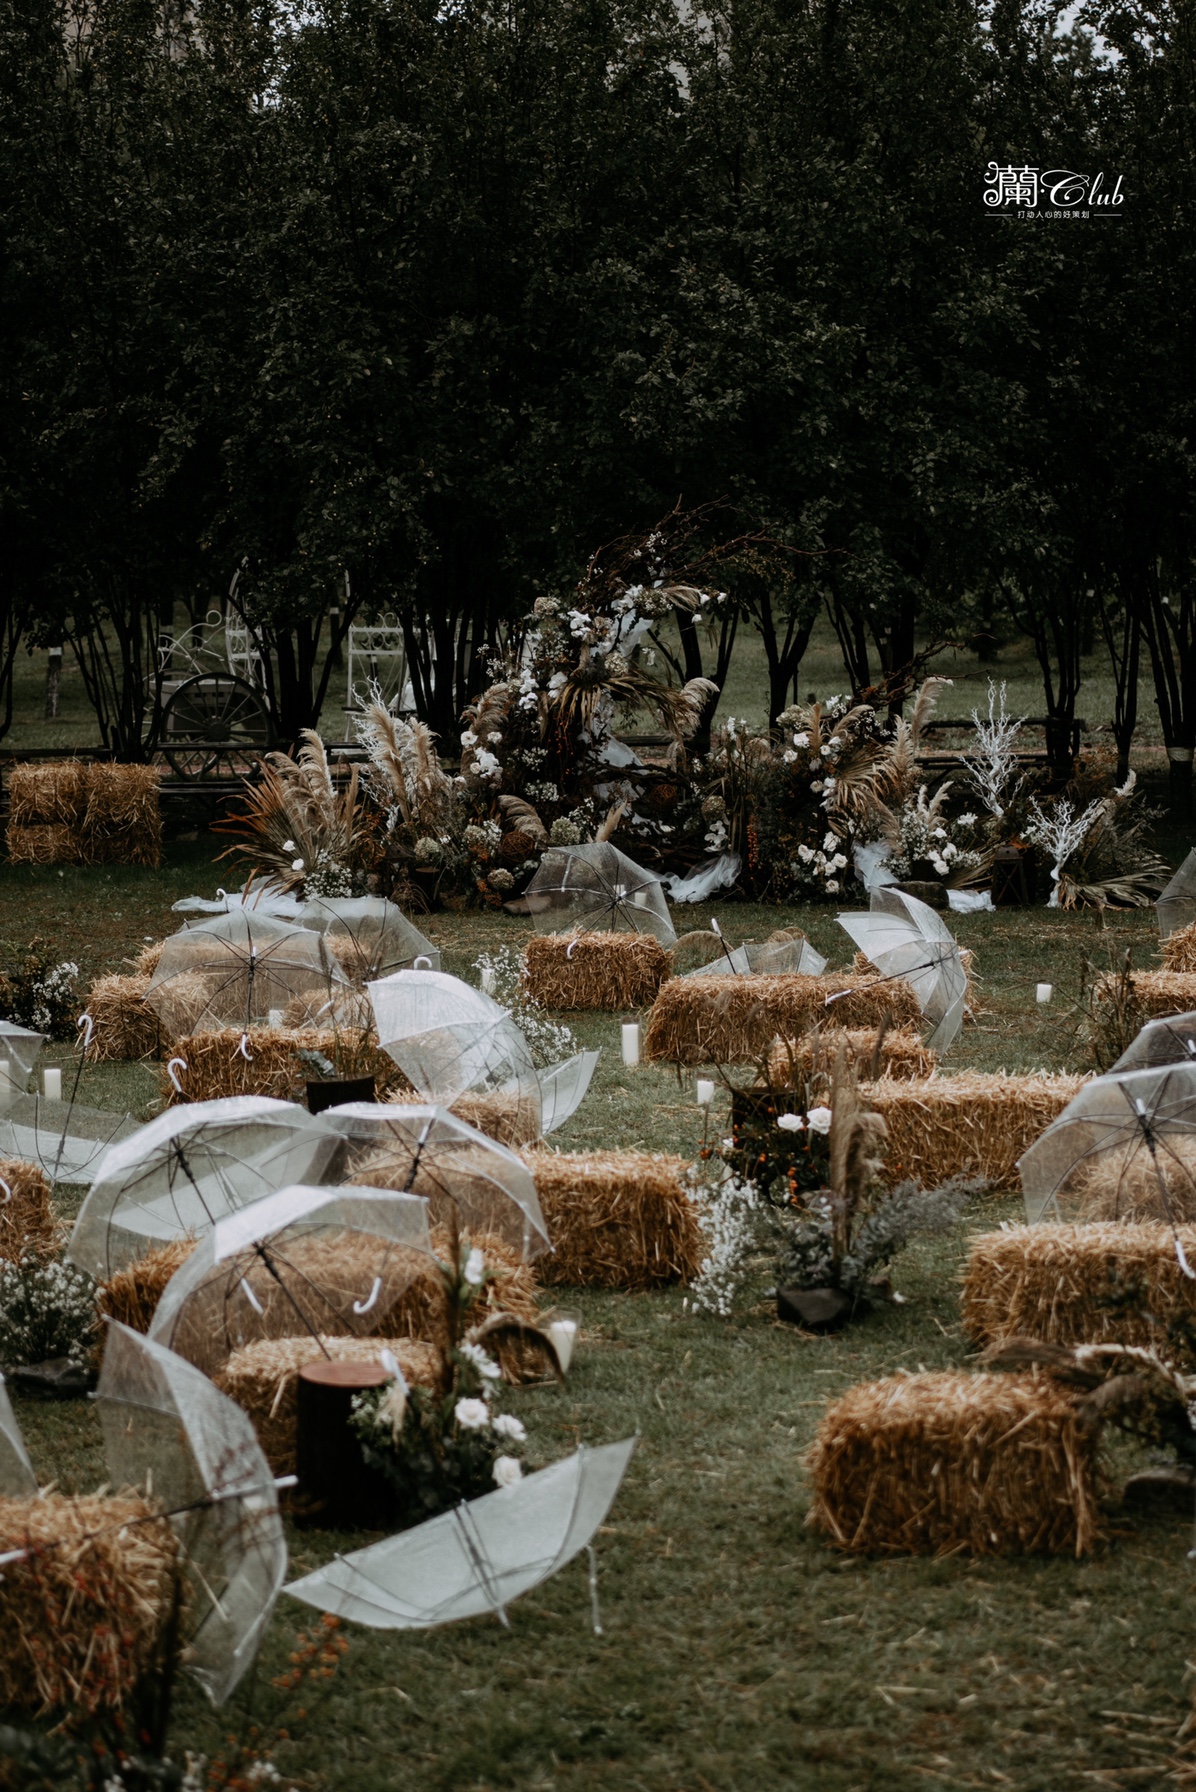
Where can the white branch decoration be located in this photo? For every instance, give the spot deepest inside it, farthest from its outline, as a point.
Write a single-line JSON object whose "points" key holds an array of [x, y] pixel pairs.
{"points": [[992, 762], [1060, 833]]}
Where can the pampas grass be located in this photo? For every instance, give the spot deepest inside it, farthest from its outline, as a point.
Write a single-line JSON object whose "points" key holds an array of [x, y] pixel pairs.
{"points": [[617, 1219], [734, 1020]]}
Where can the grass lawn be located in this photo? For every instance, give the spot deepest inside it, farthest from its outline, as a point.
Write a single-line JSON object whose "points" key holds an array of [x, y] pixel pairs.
{"points": [[739, 1653]]}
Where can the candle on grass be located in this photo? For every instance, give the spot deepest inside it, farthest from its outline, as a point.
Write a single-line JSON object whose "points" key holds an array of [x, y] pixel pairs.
{"points": [[563, 1333], [52, 1084], [275, 1017], [631, 1043], [1043, 993], [704, 1089]]}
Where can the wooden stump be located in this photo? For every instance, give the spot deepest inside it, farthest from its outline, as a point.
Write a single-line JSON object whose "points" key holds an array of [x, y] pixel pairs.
{"points": [[337, 1489]]}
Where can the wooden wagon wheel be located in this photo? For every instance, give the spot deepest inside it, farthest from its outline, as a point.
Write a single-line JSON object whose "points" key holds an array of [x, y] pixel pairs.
{"points": [[215, 726]]}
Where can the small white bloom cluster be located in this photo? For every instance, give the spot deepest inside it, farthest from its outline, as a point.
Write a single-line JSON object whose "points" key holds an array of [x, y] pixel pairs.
{"points": [[46, 1310], [728, 1216], [328, 877], [549, 1041], [51, 993], [925, 834]]}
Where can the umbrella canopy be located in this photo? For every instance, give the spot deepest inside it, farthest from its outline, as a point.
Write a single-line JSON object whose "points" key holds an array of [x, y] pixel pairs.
{"points": [[17, 1479], [1176, 904], [597, 888], [479, 1556], [168, 1429], [66, 1141], [1123, 1147], [1171, 1040], [20, 1045], [767, 958], [320, 1261], [235, 968], [563, 1088], [176, 1176], [906, 938], [450, 1039], [381, 938], [428, 1151]]}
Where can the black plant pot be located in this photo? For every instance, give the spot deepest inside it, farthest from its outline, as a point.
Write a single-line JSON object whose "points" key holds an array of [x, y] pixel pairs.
{"points": [[335, 1091], [814, 1309], [338, 1490]]}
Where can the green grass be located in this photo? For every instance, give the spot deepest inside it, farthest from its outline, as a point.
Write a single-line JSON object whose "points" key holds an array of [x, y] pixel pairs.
{"points": [[739, 1653]]}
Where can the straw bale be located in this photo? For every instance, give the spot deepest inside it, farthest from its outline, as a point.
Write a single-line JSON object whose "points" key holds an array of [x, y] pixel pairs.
{"points": [[145, 963], [27, 1224], [122, 821], [1156, 993], [1122, 1183], [261, 1377], [1178, 950], [612, 971], [1103, 1283], [975, 1124], [132, 1294], [937, 1463], [499, 1114], [82, 1613], [38, 794], [617, 1219], [349, 1009], [734, 1020], [903, 1057], [354, 958], [215, 1065], [51, 843], [125, 1024]]}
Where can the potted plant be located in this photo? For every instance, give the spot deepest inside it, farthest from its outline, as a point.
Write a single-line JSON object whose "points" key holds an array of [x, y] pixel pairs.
{"points": [[347, 1076]]}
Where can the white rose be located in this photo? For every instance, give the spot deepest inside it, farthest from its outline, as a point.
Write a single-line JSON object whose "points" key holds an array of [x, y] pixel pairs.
{"points": [[507, 1425], [832, 886], [296, 864], [469, 738], [805, 854], [472, 1415], [791, 1123], [288, 846], [475, 1268], [819, 1120], [507, 1470], [801, 740], [830, 843]]}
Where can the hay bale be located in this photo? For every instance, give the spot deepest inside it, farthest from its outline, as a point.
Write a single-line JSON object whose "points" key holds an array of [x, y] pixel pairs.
{"points": [[1178, 950], [499, 1114], [47, 794], [51, 843], [617, 1219], [1156, 993], [132, 1294], [734, 1020], [83, 1612], [903, 1057], [215, 1065], [937, 1463], [348, 1009], [975, 1124], [28, 1227], [145, 962], [611, 971], [125, 1024], [122, 819], [1122, 1183], [261, 1377], [1088, 1284]]}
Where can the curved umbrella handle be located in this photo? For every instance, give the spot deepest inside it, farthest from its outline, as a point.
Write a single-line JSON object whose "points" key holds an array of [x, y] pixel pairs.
{"points": [[421, 962], [85, 1020], [172, 1073], [244, 1050], [570, 946], [364, 1306], [7, 1192]]}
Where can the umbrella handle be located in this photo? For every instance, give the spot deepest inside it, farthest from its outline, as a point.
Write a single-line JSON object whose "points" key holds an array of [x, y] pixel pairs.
{"points": [[570, 946], [87, 1022], [421, 962], [173, 1074], [244, 1050], [7, 1192], [363, 1306]]}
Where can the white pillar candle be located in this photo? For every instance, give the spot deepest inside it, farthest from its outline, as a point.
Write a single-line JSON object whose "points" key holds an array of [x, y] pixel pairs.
{"points": [[1043, 993], [52, 1084], [704, 1089], [631, 1043], [487, 981], [275, 1017], [563, 1333]]}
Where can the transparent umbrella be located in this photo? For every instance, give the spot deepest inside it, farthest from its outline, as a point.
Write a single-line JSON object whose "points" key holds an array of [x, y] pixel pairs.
{"points": [[450, 1040], [563, 1088], [235, 968], [477, 1557], [597, 888], [167, 1429], [17, 1479], [176, 1176], [429, 1151], [1124, 1147], [1176, 905], [764, 958], [315, 1261], [19, 1049], [66, 1141], [369, 936], [905, 938], [1171, 1040]]}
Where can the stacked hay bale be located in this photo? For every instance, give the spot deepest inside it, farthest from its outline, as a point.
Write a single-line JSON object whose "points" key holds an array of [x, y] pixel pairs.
{"points": [[27, 1224], [84, 1610], [734, 1020], [975, 1124], [897, 1053], [934, 1463], [1087, 1284], [216, 1065], [45, 809], [1155, 993], [617, 1219], [609, 971]]}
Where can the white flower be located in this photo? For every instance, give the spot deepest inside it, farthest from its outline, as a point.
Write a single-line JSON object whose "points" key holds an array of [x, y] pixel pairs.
{"points": [[838, 862], [826, 751], [472, 1415], [469, 738], [788, 757], [507, 1470], [819, 1120], [296, 864], [801, 740], [805, 854], [791, 1123], [832, 886], [288, 846], [815, 783], [494, 739], [485, 1365], [475, 1268], [967, 821], [393, 1406], [830, 843], [507, 1425]]}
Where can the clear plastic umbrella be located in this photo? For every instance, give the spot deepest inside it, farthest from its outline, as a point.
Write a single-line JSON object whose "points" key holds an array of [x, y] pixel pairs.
{"points": [[19, 1049], [1124, 1147], [1171, 1040], [176, 1176], [379, 937], [450, 1040], [461, 1172], [167, 1429], [477, 1557], [303, 1261], [235, 968], [597, 888], [17, 1479], [1176, 905], [66, 1141], [563, 1088], [766, 958], [906, 938]]}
